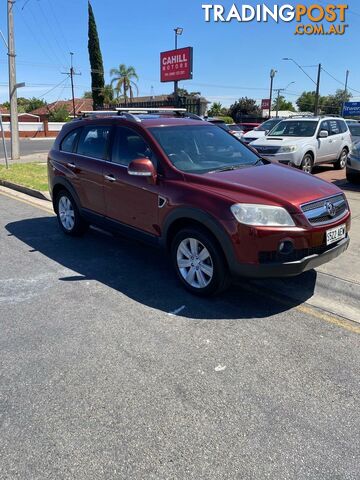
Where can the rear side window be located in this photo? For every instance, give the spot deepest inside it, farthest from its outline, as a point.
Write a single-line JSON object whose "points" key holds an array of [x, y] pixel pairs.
{"points": [[69, 142], [334, 127], [94, 142]]}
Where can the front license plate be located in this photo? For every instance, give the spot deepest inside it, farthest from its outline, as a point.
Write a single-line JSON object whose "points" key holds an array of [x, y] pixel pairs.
{"points": [[335, 234]]}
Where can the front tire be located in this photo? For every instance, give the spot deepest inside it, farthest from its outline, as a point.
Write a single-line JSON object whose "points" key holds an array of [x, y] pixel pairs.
{"points": [[341, 162], [307, 163], [68, 215], [199, 262]]}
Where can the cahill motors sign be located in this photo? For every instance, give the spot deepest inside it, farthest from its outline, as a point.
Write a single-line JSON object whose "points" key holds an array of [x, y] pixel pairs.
{"points": [[176, 65], [313, 19]]}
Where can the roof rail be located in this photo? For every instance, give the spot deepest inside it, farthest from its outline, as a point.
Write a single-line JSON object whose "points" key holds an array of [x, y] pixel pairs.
{"points": [[150, 110]]}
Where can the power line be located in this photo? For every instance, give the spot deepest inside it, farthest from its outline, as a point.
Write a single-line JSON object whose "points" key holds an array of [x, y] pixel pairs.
{"points": [[40, 44], [59, 25], [51, 30]]}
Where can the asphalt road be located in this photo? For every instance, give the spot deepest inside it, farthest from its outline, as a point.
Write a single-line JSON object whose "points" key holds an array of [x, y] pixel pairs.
{"points": [[29, 146], [99, 380]]}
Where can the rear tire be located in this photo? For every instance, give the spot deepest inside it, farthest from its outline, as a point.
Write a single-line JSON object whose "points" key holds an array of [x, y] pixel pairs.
{"points": [[68, 215], [199, 262], [341, 162], [307, 163]]}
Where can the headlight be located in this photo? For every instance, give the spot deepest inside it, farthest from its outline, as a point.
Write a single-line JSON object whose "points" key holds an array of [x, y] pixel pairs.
{"points": [[261, 215], [288, 149], [355, 151]]}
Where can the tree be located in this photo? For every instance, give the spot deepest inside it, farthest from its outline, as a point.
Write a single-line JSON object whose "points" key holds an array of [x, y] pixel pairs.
{"points": [[108, 94], [182, 92], [59, 114], [215, 110], [96, 62], [87, 94], [283, 104], [306, 102], [124, 81], [244, 106], [34, 103], [26, 105], [332, 104]]}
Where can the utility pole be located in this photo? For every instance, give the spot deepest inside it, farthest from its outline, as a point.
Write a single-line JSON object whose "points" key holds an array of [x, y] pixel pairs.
{"points": [[316, 109], [278, 101], [71, 74], [345, 92], [272, 75], [14, 123]]}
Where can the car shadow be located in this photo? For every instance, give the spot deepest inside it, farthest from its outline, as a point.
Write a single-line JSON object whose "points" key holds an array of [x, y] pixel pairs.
{"points": [[145, 274]]}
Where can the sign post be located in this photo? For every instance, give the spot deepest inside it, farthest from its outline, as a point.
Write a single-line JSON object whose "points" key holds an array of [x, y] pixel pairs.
{"points": [[176, 65], [265, 104]]}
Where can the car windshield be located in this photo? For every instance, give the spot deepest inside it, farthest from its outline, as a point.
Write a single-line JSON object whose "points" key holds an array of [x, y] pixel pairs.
{"points": [[355, 130], [294, 128], [268, 125], [203, 149]]}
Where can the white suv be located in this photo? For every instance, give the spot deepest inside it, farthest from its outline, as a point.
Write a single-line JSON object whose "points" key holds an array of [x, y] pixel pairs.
{"points": [[305, 141]]}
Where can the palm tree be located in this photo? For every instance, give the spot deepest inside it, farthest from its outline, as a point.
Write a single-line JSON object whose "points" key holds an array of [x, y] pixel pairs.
{"points": [[108, 94], [124, 81]]}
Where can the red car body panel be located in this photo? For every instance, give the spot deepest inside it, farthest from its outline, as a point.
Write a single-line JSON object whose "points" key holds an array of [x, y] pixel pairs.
{"points": [[134, 201]]}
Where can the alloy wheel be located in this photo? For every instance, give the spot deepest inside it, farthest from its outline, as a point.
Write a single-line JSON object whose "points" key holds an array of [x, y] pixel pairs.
{"points": [[194, 263], [307, 165], [66, 213]]}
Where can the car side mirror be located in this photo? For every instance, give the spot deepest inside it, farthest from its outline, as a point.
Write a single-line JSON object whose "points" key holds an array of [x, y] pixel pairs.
{"points": [[323, 134], [142, 167]]}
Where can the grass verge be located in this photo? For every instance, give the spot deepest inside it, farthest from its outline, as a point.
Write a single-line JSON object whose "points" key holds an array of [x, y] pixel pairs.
{"points": [[32, 175]]}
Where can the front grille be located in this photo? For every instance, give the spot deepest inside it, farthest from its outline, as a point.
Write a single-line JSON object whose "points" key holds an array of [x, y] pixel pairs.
{"points": [[296, 255], [326, 210], [267, 150]]}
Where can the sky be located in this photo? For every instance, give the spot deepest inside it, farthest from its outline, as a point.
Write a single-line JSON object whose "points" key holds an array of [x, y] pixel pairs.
{"points": [[231, 60]]}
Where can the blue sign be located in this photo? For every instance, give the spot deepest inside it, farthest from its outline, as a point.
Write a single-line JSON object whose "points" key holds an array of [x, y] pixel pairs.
{"points": [[351, 109]]}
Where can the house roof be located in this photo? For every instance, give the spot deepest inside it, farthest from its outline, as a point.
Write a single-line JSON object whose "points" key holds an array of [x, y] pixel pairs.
{"points": [[80, 104]]}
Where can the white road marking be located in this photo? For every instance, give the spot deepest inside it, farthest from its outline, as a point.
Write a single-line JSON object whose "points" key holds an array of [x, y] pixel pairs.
{"points": [[220, 368], [177, 311]]}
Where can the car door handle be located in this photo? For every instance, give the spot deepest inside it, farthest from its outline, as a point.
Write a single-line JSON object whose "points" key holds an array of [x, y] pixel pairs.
{"points": [[111, 178], [71, 165]]}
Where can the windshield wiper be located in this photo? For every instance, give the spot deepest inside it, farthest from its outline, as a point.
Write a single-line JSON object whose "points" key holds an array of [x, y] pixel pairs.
{"points": [[227, 168]]}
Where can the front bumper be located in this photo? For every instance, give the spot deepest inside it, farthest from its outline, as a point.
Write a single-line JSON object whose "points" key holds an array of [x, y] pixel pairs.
{"points": [[291, 158], [290, 269]]}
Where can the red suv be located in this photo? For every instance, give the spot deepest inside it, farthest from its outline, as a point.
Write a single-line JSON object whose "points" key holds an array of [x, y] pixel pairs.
{"points": [[193, 188]]}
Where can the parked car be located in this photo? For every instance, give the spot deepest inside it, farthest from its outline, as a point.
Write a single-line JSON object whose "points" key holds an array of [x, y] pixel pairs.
{"points": [[351, 121], [247, 126], [236, 130], [353, 164], [307, 141], [187, 186], [355, 131], [261, 130], [231, 128]]}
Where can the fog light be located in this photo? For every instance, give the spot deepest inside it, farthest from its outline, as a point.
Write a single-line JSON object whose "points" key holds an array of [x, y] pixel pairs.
{"points": [[286, 247]]}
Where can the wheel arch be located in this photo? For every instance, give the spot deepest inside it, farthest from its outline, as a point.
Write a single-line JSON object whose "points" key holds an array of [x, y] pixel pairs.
{"points": [[185, 217], [59, 184]]}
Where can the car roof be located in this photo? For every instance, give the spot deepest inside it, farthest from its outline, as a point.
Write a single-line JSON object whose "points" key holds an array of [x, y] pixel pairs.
{"points": [[143, 120]]}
